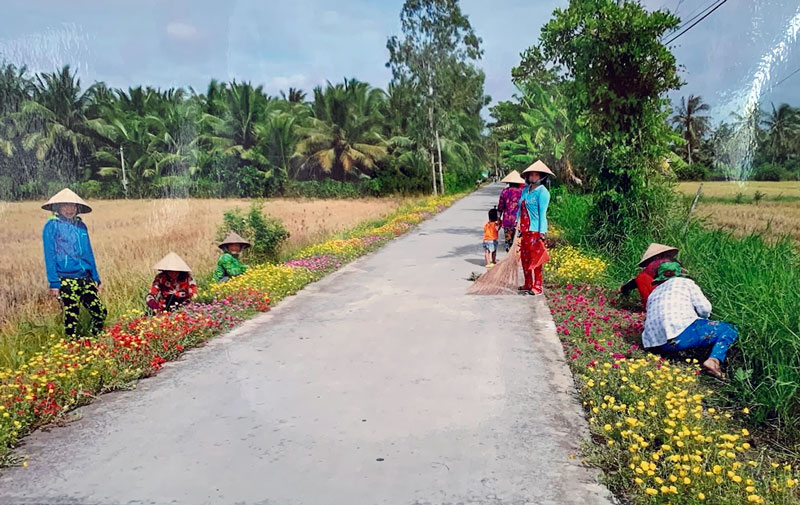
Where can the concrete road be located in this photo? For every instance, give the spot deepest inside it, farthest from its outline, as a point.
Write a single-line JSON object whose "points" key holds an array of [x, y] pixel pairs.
{"points": [[382, 384]]}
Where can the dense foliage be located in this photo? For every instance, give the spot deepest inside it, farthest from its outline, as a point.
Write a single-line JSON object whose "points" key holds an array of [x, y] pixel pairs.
{"points": [[776, 133], [232, 140], [592, 104]]}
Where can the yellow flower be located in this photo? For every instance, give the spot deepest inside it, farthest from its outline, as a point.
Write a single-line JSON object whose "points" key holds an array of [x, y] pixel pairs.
{"points": [[790, 482], [651, 491], [701, 496]]}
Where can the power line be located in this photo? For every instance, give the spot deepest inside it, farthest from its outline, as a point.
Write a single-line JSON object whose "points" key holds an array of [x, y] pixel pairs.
{"points": [[670, 41], [784, 80], [692, 16]]}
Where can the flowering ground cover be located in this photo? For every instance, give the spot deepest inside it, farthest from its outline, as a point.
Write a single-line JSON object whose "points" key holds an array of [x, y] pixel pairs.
{"points": [[659, 430], [69, 374]]}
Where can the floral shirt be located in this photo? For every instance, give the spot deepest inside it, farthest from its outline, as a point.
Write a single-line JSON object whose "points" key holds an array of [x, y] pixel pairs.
{"points": [[228, 266], [508, 205], [169, 291], [671, 308]]}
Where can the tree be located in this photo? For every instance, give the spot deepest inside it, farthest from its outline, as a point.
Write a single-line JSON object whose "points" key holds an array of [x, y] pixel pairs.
{"points": [[436, 35], [618, 72], [55, 122], [783, 128], [294, 95], [692, 125], [343, 138], [544, 131]]}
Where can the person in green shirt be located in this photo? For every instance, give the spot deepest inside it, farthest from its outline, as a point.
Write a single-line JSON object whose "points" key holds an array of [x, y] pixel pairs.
{"points": [[228, 264]]}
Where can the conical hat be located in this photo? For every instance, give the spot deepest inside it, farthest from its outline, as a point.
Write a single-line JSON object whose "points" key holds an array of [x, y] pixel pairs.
{"points": [[66, 195], [234, 238], [654, 250], [513, 178], [172, 262], [539, 166]]}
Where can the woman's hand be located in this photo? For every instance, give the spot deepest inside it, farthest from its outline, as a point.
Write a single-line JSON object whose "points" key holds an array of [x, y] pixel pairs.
{"points": [[55, 292], [99, 287]]}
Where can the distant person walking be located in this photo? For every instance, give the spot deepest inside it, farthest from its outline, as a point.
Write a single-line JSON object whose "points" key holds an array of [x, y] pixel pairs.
{"points": [[532, 226], [69, 261], [173, 285], [228, 264], [509, 205]]}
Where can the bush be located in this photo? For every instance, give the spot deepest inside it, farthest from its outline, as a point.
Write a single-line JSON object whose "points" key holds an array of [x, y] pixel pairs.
{"points": [[90, 189], [693, 172], [770, 172], [266, 234]]}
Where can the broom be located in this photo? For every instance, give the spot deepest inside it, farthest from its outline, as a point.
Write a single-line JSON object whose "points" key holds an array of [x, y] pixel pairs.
{"points": [[503, 279]]}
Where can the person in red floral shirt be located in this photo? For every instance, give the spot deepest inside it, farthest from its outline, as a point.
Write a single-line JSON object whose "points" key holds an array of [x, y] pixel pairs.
{"points": [[173, 286]]}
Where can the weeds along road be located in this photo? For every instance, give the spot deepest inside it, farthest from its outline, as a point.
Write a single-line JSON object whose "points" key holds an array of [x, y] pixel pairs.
{"points": [[383, 383]]}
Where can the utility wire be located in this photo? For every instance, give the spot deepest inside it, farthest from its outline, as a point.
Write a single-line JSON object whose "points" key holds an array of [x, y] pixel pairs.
{"points": [[693, 17], [670, 41], [783, 80]]}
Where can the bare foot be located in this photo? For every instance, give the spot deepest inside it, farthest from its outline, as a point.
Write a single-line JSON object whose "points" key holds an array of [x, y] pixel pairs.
{"points": [[712, 366]]}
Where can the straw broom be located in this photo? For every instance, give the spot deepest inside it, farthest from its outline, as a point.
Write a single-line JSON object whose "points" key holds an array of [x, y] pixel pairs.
{"points": [[503, 279]]}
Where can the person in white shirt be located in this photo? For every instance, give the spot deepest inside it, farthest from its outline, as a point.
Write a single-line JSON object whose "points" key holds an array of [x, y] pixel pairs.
{"points": [[677, 319]]}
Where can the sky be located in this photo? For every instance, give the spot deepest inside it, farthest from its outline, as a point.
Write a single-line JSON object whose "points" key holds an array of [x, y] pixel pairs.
{"points": [[303, 43]]}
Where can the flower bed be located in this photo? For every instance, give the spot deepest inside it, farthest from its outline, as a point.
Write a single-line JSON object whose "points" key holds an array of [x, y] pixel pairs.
{"points": [[69, 374], [659, 432]]}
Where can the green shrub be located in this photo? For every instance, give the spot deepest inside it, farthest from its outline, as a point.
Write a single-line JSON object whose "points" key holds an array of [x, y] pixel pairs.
{"points": [[266, 233], [693, 172], [770, 172]]}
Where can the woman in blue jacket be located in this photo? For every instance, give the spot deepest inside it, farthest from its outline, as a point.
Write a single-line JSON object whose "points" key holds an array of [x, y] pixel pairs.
{"points": [[69, 261], [532, 225]]}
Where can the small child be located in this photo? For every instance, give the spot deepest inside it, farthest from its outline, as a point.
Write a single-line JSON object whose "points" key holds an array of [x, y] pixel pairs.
{"points": [[490, 234]]}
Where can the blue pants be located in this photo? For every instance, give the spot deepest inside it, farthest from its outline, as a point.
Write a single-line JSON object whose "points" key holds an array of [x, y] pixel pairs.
{"points": [[704, 333]]}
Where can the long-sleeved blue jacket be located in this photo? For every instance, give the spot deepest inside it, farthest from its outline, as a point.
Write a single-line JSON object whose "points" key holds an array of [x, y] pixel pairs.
{"points": [[536, 203], [67, 251]]}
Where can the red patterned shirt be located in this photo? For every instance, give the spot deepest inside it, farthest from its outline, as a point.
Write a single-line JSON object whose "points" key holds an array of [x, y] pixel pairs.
{"points": [[171, 289]]}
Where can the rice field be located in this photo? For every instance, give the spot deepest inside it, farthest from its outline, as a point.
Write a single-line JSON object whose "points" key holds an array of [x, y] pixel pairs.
{"points": [[716, 189], [129, 236], [772, 219]]}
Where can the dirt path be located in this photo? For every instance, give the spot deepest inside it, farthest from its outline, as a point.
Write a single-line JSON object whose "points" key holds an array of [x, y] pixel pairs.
{"points": [[383, 383]]}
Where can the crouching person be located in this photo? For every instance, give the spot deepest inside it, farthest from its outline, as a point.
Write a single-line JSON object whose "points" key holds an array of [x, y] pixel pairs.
{"points": [[229, 265], [173, 285], [677, 319]]}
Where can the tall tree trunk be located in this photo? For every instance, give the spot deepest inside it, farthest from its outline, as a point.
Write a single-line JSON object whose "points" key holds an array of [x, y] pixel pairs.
{"points": [[689, 148], [433, 172], [439, 152], [433, 161]]}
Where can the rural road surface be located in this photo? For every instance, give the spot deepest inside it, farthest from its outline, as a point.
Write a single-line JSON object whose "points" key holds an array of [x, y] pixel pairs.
{"points": [[382, 384]]}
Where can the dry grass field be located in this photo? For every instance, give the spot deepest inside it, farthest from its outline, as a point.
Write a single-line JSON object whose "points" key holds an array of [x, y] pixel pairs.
{"points": [[129, 236], [790, 189], [771, 219]]}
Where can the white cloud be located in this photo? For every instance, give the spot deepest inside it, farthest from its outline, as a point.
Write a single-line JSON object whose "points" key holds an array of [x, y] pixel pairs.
{"points": [[181, 30]]}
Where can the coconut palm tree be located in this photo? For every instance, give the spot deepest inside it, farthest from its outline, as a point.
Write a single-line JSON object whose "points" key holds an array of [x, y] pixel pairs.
{"points": [[343, 138], [294, 95], [783, 126], [56, 123], [691, 123]]}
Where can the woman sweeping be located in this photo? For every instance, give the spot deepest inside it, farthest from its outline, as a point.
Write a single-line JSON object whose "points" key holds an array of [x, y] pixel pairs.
{"points": [[532, 226], [228, 264], [69, 261], [509, 204], [173, 286]]}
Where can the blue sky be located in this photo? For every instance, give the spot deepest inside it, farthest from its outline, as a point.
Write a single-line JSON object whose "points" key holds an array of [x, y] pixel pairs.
{"points": [[303, 43]]}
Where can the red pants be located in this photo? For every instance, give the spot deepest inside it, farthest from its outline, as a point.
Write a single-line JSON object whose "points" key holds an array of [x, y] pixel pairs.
{"points": [[528, 256]]}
